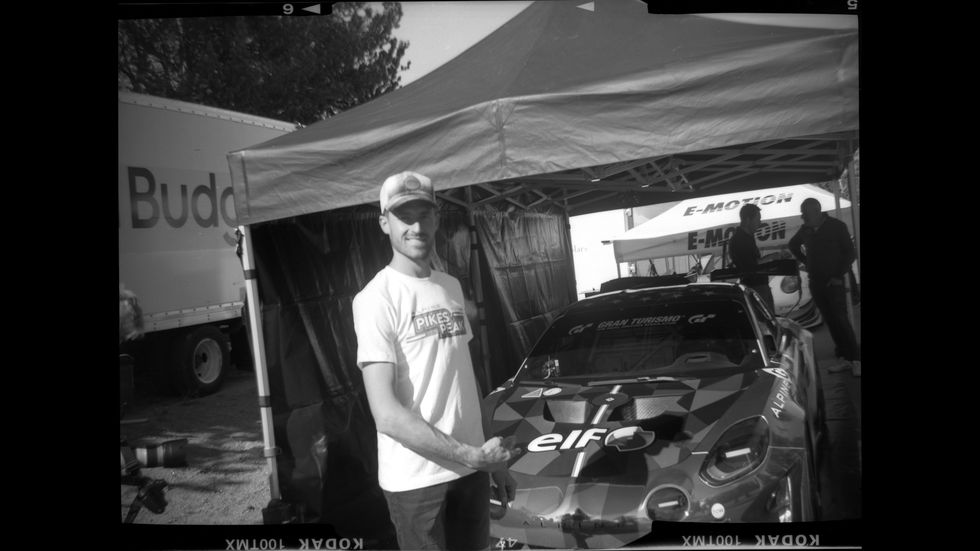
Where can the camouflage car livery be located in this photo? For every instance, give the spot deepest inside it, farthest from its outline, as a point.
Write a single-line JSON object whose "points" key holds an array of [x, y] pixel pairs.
{"points": [[681, 403]]}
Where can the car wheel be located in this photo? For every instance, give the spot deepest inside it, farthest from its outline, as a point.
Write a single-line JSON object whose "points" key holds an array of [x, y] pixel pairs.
{"points": [[200, 362]]}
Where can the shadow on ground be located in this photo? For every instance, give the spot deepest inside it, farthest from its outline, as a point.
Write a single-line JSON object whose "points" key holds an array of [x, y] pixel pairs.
{"points": [[225, 480]]}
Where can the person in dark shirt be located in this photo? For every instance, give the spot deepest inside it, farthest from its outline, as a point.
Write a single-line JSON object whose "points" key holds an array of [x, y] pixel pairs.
{"points": [[824, 245], [745, 253]]}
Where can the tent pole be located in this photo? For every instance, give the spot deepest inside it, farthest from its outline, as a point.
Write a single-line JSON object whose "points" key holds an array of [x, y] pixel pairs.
{"points": [[477, 279], [847, 278], [853, 183], [571, 246], [270, 450]]}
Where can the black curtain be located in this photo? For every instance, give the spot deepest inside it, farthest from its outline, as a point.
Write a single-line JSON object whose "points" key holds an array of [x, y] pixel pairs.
{"points": [[529, 258], [309, 270]]}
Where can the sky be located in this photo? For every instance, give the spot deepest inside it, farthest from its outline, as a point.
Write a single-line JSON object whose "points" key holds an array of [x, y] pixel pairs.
{"points": [[439, 31], [594, 261]]}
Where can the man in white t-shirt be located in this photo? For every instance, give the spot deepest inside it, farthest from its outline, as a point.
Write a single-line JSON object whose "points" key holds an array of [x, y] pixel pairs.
{"points": [[412, 335]]}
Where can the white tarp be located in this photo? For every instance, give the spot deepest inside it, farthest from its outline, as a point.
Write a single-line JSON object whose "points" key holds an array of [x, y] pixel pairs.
{"points": [[703, 225]]}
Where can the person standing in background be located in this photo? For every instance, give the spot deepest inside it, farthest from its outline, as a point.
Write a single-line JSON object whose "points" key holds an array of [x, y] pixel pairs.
{"points": [[745, 253], [824, 245]]}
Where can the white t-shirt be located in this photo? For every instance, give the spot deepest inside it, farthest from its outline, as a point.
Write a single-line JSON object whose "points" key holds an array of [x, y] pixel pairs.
{"points": [[420, 326]]}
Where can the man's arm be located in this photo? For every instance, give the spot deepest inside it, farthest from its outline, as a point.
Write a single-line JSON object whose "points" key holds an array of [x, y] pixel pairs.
{"points": [[503, 485], [406, 427], [795, 246]]}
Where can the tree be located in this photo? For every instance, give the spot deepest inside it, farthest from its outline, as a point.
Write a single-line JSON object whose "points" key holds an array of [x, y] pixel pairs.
{"points": [[297, 69]]}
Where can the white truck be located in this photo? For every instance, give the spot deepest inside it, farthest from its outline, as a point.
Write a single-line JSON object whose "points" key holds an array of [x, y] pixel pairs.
{"points": [[177, 242]]}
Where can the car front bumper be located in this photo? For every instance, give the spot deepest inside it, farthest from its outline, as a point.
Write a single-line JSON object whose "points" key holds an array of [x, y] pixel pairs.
{"points": [[588, 515]]}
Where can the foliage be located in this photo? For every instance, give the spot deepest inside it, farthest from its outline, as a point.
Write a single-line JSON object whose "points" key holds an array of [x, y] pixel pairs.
{"points": [[298, 69]]}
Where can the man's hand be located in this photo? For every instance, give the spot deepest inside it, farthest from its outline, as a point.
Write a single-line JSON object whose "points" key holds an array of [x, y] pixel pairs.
{"points": [[504, 486], [409, 429], [493, 455]]}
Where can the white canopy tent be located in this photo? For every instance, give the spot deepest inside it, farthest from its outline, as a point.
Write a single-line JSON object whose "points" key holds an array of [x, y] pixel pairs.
{"points": [[702, 225]]}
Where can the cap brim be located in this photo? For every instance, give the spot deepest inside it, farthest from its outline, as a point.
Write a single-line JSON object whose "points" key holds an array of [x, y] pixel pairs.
{"points": [[409, 197]]}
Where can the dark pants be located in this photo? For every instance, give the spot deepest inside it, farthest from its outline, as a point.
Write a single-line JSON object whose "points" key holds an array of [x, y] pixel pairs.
{"points": [[454, 515], [832, 302]]}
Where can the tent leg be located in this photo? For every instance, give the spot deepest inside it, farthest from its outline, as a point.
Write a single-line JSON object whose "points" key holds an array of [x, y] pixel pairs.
{"points": [[853, 184], [258, 357], [568, 234], [477, 279]]}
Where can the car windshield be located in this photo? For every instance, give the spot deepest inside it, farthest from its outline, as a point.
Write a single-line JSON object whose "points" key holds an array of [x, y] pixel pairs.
{"points": [[647, 339]]}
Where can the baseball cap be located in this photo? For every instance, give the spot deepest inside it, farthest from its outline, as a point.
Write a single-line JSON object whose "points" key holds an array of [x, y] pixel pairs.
{"points": [[404, 187]]}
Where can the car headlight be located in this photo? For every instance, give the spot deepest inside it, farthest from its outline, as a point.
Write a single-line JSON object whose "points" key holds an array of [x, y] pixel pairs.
{"points": [[790, 284], [738, 452]]}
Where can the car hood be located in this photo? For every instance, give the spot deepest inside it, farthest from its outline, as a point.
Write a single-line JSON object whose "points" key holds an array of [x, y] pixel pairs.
{"points": [[592, 453], [609, 422]]}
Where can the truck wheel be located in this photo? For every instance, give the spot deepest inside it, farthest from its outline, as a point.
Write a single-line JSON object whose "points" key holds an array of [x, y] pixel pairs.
{"points": [[201, 361]]}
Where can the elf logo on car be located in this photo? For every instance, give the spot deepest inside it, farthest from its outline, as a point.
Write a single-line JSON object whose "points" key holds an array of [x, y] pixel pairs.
{"points": [[575, 439]]}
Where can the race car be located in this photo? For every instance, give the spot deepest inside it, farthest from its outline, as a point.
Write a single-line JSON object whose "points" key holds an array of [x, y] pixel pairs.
{"points": [[671, 403]]}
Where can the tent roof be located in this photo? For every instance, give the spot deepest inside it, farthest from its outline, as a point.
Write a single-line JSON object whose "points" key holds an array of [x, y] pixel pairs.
{"points": [[572, 107]]}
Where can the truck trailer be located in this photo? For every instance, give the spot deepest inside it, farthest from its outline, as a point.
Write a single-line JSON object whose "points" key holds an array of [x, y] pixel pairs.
{"points": [[177, 236]]}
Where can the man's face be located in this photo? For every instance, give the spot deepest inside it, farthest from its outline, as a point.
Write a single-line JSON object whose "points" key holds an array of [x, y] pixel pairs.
{"points": [[412, 229], [753, 222], [811, 214]]}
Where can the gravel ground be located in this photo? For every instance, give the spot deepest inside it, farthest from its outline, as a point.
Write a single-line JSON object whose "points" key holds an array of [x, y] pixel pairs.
{"points": [[226, 480]]}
